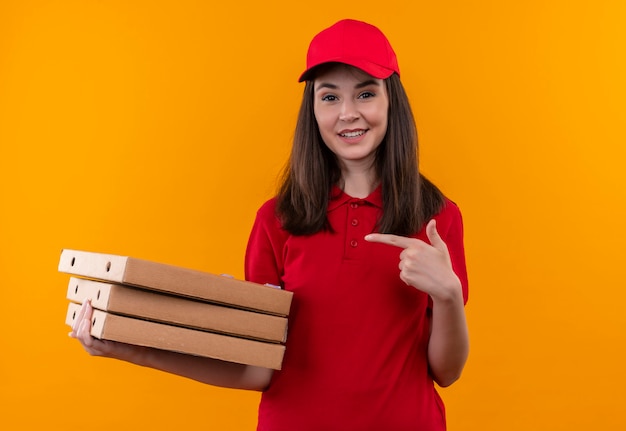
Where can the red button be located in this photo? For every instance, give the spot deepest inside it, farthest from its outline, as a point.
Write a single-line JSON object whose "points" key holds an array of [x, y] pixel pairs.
{"points": [[354, 243], [354, 205], [355, 222]]}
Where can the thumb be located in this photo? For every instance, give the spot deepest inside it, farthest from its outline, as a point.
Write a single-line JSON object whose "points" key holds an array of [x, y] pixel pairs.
{"points": [[434, 238]]}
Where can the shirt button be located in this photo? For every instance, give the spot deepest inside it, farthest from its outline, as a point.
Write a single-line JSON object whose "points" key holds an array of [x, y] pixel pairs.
{"points": [[354, 205], [354, 243], [355, 222]]}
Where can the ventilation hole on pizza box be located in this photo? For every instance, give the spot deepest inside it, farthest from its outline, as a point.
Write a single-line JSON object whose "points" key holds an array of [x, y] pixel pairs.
{"points": [[76, 290], [74, 316], [108, 266], [73, 261], [98, 295], [93, 322]]}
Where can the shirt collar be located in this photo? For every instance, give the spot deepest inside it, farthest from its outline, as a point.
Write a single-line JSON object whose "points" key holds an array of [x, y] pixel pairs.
{"points": [[339, 198]]}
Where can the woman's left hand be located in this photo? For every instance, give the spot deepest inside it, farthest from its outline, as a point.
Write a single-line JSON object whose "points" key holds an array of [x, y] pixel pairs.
{"points": [[426, 267]]}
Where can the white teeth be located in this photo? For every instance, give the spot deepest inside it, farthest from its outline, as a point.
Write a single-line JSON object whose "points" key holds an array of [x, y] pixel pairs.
{"points": [[352, 134]]}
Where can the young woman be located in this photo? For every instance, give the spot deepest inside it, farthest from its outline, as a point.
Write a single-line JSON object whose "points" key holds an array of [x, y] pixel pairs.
{"points": [[371, 249]]}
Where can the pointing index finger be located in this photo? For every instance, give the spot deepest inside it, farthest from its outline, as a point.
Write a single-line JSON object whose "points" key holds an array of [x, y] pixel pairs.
{"points": [[385, 238]]}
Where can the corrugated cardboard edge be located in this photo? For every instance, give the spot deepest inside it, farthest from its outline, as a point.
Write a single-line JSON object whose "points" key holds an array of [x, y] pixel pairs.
{"points": [[98, 292], [107, 267]]}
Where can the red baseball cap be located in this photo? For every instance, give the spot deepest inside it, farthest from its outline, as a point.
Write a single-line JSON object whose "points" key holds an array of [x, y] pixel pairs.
{"points": [[355, 43]]}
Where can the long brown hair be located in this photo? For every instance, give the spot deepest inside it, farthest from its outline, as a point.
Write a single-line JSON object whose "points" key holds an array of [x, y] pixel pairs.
{"points": [[409, 199]]}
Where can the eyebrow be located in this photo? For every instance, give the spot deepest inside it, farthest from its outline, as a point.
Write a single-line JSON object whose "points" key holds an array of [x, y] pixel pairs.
{"points": [[359, 85]]}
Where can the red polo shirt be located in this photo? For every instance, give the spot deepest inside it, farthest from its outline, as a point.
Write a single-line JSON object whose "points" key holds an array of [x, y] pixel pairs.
{"points": [[356, 350]]}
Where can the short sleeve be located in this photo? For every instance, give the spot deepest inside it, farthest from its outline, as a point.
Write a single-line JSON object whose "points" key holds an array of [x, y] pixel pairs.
{"points": [[264, 252], [453, 237]]}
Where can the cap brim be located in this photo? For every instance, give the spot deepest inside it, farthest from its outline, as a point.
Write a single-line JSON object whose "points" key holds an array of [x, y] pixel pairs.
{"points": [[371, 69]]}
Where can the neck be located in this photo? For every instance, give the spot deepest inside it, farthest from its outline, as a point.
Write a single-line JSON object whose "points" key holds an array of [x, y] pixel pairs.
{"points": [[358, 184]]}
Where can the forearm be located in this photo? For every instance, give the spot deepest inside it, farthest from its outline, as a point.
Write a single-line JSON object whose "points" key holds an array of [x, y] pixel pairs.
{"points": [[206, 370], [448, 347]]}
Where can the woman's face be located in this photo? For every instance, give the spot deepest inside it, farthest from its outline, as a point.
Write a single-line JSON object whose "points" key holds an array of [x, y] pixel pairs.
{"points": [[350, 107]]}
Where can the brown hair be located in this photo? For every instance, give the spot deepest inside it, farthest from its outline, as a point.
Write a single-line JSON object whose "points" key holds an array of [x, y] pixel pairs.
{"points": [[409, 199]]}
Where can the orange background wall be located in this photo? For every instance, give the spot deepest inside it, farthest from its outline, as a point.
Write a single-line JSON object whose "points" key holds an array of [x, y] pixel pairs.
{"points": [[155, 129]]}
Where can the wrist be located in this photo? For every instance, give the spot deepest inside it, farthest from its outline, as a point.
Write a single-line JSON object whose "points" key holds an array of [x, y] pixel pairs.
{"points": [[451, 293]]}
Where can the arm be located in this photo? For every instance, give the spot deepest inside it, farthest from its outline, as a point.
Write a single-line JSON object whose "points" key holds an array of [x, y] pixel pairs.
{"points": [[428, 267], [448, 347], [205, 370]]}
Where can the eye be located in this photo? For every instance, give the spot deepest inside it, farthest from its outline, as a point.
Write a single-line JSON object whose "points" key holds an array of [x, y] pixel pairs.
{"points": [[366, 95], [329, 98]]}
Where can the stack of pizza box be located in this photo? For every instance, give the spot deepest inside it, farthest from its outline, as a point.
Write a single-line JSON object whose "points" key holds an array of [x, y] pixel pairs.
{"points": [[168, 307]]}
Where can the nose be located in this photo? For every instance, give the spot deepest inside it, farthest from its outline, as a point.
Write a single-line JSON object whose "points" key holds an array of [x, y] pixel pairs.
{"points": [[348, 111]]}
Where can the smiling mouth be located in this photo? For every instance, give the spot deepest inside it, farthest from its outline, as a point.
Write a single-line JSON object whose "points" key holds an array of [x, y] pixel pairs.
{"points": [[354, 134]]}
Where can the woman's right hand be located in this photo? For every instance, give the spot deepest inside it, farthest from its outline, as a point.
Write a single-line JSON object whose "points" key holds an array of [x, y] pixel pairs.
{"points": [[81, 330]]}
